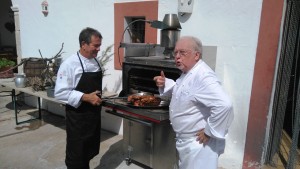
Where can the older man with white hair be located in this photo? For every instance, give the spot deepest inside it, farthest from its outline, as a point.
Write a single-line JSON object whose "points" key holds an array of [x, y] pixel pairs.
{"points": [[200, 111]]}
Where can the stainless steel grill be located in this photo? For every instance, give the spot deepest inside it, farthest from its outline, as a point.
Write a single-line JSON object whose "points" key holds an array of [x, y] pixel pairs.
{"points": [[149, 140]]}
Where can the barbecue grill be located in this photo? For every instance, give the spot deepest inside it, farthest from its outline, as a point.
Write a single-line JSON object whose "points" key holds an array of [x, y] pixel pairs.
{"points": [[149, 140]]}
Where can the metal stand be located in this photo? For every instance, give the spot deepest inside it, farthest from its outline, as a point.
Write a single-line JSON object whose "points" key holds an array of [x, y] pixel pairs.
{"points": [[14, 100], [10, 93], [130, 160]]}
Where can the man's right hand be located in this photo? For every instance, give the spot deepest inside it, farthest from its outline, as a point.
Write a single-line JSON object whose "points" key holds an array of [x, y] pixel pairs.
{"points": [[160, 80], [92, 98]]}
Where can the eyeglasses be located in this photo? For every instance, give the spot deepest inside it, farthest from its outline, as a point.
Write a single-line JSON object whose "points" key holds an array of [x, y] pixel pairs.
{"points": [[182, 53]]}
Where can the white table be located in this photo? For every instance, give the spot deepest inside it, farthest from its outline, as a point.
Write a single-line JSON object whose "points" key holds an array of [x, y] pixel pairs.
{"points": [[9, 83]]}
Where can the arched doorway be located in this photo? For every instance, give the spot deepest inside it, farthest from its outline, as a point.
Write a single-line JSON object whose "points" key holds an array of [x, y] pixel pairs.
{"points": [[7, 31]]}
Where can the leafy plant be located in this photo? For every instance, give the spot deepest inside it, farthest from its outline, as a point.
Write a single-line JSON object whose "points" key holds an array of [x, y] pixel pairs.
{"points": [[105, 58], [6, 63]]}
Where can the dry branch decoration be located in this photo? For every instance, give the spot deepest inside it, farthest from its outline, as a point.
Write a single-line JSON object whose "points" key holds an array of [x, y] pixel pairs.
{"points": [[36, 83], [48, 75]]}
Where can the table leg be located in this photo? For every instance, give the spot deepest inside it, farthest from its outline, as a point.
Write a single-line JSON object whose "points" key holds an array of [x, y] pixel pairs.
{"points": [[15, 104], [40, 111], [14, 99]]}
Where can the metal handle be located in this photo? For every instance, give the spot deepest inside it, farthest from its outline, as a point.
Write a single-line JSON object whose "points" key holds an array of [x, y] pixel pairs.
{"points": [[114, 112]]}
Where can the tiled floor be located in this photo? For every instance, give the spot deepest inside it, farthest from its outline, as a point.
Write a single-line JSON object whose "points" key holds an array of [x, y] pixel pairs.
{"points": [[285, 150]]}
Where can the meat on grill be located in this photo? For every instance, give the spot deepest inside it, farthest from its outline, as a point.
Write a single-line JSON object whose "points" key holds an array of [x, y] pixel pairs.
{"points": [[146, 100]]}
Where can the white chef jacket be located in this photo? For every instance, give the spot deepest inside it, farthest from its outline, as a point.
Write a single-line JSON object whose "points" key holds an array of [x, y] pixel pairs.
{"points": [[198, 101], [68, 76]]}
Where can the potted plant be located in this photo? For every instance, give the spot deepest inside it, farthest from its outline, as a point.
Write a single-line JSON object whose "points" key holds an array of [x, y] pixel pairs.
{"points": [[104, 58], [6, 68], [6, 63]]}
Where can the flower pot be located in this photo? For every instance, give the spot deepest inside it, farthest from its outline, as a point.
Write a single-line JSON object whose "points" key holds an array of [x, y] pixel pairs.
{"points": [[50, 92], [6, 73]]}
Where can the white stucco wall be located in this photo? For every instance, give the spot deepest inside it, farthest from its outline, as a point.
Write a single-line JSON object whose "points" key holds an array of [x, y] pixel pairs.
{"points": [[62, 25], [230, 25], [233, 27]]}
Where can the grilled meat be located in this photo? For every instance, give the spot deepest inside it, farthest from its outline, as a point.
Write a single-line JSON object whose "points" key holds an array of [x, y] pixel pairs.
{"points": [[146, 100]]}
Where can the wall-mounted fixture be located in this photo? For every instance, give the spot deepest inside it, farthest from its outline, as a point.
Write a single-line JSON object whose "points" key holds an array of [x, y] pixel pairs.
{"points": [[185, 6], [170, 33], [45, 7]]}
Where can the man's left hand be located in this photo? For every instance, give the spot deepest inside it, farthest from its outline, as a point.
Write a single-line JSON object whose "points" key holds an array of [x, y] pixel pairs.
{"points": [[202, 137]]}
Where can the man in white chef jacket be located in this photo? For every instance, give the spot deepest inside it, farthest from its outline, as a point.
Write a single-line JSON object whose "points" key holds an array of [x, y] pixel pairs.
{"points": [[78, 84], [200, 111]]}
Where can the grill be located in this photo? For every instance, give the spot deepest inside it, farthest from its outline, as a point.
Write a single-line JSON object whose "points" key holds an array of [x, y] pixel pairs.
{"points": [[149, 140], [139, 77]]}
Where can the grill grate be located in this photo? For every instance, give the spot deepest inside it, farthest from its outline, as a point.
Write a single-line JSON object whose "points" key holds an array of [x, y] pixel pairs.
{"points": [[138, 77]]}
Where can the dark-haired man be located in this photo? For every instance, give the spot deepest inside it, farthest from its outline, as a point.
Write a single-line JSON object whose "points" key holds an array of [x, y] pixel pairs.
{"points": [[79, 80]]}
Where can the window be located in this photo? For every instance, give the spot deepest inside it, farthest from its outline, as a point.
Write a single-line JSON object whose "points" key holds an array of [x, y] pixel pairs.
{"points": [[127, 12], [136, 31]]}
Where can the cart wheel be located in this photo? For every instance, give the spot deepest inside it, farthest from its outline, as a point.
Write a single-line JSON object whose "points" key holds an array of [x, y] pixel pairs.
{"points": [[128, 161]]}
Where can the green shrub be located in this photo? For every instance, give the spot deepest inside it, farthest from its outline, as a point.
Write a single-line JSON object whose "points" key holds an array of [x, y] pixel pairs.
{"points": [[6, 63]]}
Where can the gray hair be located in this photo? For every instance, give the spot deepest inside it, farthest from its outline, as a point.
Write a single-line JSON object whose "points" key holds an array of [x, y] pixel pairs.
{"points": [[197, 44]]}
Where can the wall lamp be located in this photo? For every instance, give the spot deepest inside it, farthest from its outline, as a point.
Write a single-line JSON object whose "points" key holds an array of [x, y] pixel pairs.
{"points": [[45, 8]]}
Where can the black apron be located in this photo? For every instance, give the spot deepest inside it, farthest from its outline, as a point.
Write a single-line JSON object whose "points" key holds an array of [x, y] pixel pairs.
{"points": [[83, 123]]}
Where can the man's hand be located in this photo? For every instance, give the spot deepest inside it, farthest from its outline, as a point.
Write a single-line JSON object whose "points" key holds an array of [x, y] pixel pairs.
{"points": [[160, 80], [202, 137], [92, 98]]}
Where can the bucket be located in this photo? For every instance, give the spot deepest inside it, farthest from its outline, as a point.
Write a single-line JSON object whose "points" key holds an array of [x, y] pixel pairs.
{"points": [[50, 92], [20, 80]]}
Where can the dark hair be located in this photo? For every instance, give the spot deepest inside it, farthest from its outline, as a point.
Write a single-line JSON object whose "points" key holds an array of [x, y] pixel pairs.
{"points": [[86, 35]]}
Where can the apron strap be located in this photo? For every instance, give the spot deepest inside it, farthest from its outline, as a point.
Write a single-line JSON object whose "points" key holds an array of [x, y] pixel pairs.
{"points": [[80, 62]]}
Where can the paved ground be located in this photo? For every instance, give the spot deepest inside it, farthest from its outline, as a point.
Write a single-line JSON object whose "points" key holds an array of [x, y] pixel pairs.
{"points": [[40, 144]]}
